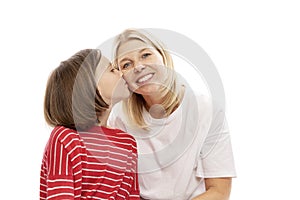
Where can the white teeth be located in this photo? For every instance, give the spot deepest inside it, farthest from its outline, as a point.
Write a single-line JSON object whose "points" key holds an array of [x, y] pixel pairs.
{"points": [[145, 78]]}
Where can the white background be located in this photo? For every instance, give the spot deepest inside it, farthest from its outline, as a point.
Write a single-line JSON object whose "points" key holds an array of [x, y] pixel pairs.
{"points": [[255, 46]]}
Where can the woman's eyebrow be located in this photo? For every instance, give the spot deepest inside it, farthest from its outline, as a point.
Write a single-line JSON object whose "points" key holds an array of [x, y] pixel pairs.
{"points": [[140, 51], [124, 59], [143, 50]]}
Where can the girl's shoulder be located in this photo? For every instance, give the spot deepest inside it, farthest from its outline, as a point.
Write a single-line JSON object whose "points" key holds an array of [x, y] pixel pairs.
{"points": [[115, 135], [64, 135]]}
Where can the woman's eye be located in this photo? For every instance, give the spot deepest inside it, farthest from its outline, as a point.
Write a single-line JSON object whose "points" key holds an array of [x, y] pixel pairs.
{"points": [[145, 55], [125, 66]]}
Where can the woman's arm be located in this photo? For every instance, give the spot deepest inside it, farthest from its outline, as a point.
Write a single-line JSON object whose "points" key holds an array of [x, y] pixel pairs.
{"points": [[216, 189]]}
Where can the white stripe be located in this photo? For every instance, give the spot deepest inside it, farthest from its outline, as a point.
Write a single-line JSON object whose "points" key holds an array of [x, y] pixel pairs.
{"points": [[60, 160], [76, 147], [71, 141], [105, 170], [102, 184], [60, 187], [134, 195], [67, 165], [78, 180], [121, 196], [69, 134], [107, 157], [78, 188], [108, 141], [55, 145], [103, 177], [80, 154], [106, 151], [79, 163], [129, 177], [127, 184], [99, 198], [105, 164], [110, 136], [57, 180], [115, 147], [76, 173], [99, 191], [55, 195], [51, 146], [43, 185], [125, 190], [42, 191]]}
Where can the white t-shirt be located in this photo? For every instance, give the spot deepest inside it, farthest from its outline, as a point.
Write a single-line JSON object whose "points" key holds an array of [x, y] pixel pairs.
{"points": [[177, 152]]}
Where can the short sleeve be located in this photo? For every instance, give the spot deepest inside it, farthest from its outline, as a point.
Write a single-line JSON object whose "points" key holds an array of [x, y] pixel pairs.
{"points": [[135, 190], [60, 183], [57, 173], [216, 156]]}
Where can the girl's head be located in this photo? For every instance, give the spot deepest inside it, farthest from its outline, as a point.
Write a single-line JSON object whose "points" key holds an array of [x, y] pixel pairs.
{"points": [[81, 89], [148, 69]]}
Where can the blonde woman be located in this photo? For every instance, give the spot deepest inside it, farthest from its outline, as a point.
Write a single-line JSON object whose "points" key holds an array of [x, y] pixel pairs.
{"points": [[183, 142]]}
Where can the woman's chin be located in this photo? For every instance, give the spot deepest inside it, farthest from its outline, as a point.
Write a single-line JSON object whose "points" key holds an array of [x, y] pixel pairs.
{"points": [[148, 89]]}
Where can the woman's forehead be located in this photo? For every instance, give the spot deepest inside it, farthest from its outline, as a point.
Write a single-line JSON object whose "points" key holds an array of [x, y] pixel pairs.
{"points": [[131, 46]]}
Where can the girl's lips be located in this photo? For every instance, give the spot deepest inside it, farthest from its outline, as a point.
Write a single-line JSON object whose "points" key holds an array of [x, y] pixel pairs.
{"points": [[144, 78]]}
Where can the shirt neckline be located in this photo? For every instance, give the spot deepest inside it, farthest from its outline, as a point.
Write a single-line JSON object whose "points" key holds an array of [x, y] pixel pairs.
{"points": [[160, 121]]}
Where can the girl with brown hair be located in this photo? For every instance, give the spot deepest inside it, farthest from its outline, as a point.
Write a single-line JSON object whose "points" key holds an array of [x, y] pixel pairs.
{"points": [[84, 158]]}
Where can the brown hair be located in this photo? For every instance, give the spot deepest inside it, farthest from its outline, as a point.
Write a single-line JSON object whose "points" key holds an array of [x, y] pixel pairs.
{"points": [[72, 98]]}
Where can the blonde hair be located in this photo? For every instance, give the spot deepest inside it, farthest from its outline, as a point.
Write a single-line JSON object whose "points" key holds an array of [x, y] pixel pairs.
{"points": [[170, 95]]}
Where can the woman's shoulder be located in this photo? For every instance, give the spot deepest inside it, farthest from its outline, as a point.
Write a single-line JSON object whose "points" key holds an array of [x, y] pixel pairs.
{"points": [[118, 108], [197, 100]]}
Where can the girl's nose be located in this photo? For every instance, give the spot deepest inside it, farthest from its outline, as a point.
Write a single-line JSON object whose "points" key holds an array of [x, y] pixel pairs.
{"points": [[139, 68], [120, 73]]}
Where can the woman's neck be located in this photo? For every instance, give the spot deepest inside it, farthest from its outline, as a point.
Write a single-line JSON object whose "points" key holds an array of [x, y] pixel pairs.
{"points": [[154, 104], [152, 100]]}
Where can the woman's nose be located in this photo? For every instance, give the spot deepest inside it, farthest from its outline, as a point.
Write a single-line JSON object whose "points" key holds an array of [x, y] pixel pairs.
{"points": [[139, 68]]}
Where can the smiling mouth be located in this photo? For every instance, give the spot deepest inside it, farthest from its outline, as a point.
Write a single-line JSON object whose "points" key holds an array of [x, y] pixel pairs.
{"points": [[145, 78]]}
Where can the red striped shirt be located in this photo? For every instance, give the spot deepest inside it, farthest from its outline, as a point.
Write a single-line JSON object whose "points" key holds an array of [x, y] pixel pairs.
{"points": [[100, 163]]}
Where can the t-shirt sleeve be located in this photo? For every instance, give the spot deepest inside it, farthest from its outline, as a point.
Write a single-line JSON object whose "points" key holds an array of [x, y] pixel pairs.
{"points": [[135, 190], [216, 156], [60, 182]]}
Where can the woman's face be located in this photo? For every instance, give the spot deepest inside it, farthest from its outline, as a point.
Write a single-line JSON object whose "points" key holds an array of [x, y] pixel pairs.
{"points": [[142, 66], [112, 87]]}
